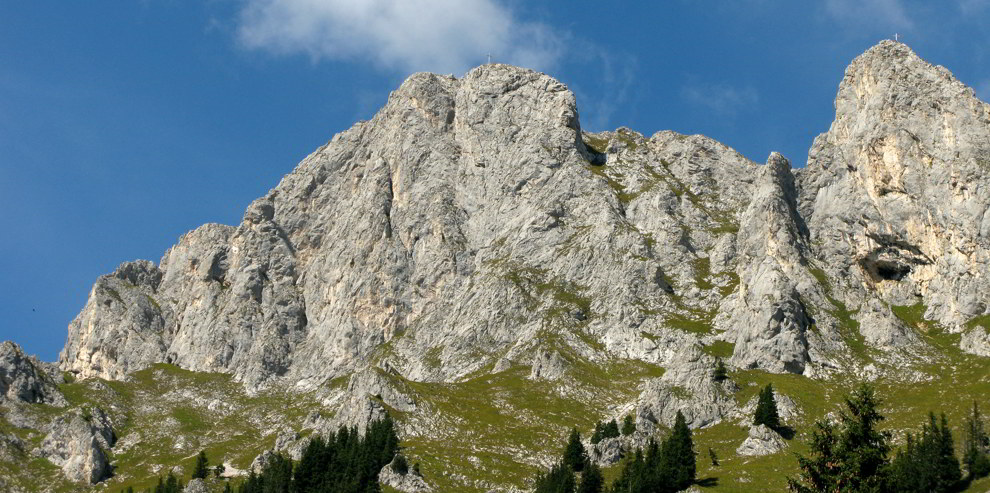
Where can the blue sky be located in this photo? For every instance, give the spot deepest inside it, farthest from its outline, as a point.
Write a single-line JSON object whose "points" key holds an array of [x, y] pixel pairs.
{"points": [[125, 124]]}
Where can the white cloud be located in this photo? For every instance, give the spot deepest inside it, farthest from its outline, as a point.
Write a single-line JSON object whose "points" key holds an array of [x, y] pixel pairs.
{"points": [[410, 35], [721, 98], [882, 14]]}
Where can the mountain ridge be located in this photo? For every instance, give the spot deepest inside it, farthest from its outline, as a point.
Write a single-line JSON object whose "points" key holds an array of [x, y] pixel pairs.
{"points": [[471, 233]]}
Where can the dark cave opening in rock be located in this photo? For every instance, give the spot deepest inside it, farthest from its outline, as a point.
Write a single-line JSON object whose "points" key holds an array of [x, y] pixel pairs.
{"points": [[885, 270]]}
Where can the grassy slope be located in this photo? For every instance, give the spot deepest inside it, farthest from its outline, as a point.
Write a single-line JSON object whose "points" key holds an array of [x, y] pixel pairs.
{"points": [[490, 430]]}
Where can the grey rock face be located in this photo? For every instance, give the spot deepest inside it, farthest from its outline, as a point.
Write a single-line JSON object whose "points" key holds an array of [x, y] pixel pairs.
{"points": [[196, 486], [465, 224], [24, 379], [409, 483], [761, 441], [471, 226], [767, 312], [688, 387], [895, 193], [78, 442]]}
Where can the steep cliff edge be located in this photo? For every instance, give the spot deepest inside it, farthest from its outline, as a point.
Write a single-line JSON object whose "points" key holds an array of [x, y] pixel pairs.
{"points": [[896, 195]]}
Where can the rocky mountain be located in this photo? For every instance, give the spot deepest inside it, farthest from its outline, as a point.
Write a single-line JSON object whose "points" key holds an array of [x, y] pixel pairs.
{"points": [[471, 238]]}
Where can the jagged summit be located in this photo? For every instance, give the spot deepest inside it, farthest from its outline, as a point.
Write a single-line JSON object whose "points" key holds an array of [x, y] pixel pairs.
{"points": [[471, 226], [470, 254]]}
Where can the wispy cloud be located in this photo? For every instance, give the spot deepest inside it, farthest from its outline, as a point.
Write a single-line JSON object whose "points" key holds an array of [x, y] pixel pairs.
{"points": [[409, 35], [724, 99], [881, 14]]}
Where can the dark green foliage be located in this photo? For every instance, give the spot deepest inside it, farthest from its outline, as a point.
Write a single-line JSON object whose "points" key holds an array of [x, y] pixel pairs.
{"points": [[275, 477], [721, 373], [927, 463], [202, 468], [226, 487], [399, 465], [605, 430], [766, 409], [560, 479], [611, 429], [712, 456], [596, 436], [129, 489], [592, 480], [574, 454], [171, 484], [850, 456], [678, 454], [219, 470], [415, 470], [668, 467], [975, 445], [344, 462], [628, 425]]}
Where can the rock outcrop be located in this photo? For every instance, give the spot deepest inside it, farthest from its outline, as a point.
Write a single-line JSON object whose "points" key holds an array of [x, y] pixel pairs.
{"points": [[761, 441], [79, 442], [407, 483], [25, 379]]}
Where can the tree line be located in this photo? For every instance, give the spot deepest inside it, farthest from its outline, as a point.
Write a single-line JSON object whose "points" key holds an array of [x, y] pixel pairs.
{"points": [[343, 462], [663, 467], [852, 454]]}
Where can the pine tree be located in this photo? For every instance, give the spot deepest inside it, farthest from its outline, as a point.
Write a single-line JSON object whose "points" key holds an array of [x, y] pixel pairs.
{"points": [[927, 463], [202, 468], [592, 480], [560, 479], [611, 429], [598, 434], [399, 465], [848, 456], [677, 459], [975, 443], [574, 454], [766, 409], [219, 470], [713, 457], [628, 425], [721, 373]]}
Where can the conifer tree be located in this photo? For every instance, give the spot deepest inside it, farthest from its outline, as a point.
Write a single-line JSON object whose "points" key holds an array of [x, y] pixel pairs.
{"points": [[628, 425], [202, 468], [592, 480], [574, 453], [848, 456], [399, 465], [721, 373], [611, 429], [678, 460], [560, 479], [766, 409], [713, 457], [975, 442], [598, 434], [927, 463]]}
